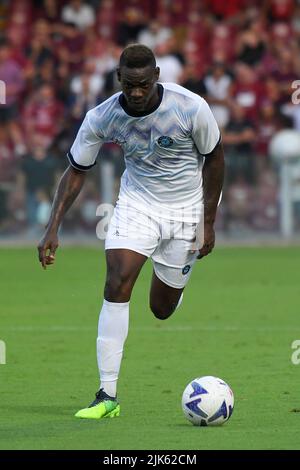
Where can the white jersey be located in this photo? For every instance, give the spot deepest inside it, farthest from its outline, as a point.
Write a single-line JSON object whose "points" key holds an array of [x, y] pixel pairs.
{"points": [[163, 149]]}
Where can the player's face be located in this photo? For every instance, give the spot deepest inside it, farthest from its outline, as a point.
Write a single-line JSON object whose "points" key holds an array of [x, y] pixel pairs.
{"points": [[139, 87]]}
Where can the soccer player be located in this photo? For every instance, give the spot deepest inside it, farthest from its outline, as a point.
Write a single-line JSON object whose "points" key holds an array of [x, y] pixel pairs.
{"points": [[167, 203]]}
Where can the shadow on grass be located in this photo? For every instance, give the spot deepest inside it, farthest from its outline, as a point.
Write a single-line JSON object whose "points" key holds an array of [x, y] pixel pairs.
{"points": [[52, 410]]}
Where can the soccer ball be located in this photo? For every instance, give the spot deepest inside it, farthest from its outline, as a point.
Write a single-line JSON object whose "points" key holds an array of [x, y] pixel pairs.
{"points": [[207, 401]]}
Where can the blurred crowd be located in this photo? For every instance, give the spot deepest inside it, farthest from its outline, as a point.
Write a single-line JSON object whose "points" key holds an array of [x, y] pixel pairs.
{"points": [[58, 60]]}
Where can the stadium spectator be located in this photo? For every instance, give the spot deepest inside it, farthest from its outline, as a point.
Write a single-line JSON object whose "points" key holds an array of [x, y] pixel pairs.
{"points": [[131, 24], [251, 43], [170, 67], [12, 76], [79, 13], [38, 171], [247, 90], [86, 90], [217, 84], [238, 138], [154, 35], [50, 11], [265, 202], [106, 20], [46, 73], [19, 22], [40, 45], [267, 125], [190, 79], [221, 43], [70, 47], [286, 72], [296, 21], [105, 65], [8, 164], [105, 58], [279, 10], [89, 205], [225, 10], [43, 115], [272, 91], [239, 199]]}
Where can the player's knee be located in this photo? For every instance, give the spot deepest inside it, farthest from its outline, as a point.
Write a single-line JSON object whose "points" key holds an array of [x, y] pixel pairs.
{"points": [[118, 287], [160, 311]]}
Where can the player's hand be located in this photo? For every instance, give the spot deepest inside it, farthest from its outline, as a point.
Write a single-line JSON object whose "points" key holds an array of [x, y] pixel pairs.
{"points": [[47, 248], [209, 241]]}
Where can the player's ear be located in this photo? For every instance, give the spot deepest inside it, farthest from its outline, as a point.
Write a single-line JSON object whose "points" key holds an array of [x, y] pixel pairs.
{"points": [[119, 73], [157, 72]]}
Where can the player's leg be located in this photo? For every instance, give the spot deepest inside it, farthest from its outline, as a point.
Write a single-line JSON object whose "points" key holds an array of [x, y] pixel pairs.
{"points": [[173, 261], [130, 240], [164, 299], [123, 268]]}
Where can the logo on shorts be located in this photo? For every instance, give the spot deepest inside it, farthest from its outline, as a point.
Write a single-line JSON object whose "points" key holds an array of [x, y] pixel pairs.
{"points": [[186, 269], [165, 141]]}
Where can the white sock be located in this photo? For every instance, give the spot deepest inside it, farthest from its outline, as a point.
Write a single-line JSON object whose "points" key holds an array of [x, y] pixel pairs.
{"points": [[179, 301], [112, 333]]}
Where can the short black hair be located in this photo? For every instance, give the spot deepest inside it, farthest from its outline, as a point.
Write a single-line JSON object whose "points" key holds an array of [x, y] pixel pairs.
{"points": [[136, 56]]}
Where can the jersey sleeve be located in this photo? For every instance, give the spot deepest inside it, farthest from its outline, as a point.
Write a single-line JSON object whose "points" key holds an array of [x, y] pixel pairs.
{"points": [[206, 133], [86, 146]]}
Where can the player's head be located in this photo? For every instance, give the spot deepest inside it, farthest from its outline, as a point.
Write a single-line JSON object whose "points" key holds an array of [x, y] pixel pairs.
{"points": [[138, 74]]}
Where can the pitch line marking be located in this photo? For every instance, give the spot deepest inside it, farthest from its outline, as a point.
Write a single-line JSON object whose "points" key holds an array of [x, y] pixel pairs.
{"points": [[70, 328]]}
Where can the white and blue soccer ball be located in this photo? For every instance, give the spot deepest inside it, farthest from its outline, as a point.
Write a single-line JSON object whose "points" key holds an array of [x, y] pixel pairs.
{"points": [[207, 401]]}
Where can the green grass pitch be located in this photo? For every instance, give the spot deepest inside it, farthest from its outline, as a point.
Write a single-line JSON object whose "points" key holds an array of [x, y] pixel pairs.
{"points": [[239, 317]]}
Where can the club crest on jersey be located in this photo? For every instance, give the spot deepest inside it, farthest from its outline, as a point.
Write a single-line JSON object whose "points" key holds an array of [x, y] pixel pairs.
{"points": [[186, 269], [165, 141]]}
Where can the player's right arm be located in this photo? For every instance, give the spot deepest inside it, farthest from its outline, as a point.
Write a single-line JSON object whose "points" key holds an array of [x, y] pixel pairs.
{"points": [[67, 191], [82, 157]]}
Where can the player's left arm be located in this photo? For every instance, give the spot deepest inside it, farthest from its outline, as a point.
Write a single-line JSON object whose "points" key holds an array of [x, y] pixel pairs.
{"points": [[213, 178], [207, 137]]}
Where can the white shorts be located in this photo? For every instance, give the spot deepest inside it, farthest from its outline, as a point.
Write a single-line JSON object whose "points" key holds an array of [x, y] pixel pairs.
{"points": [[167, 242]]}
